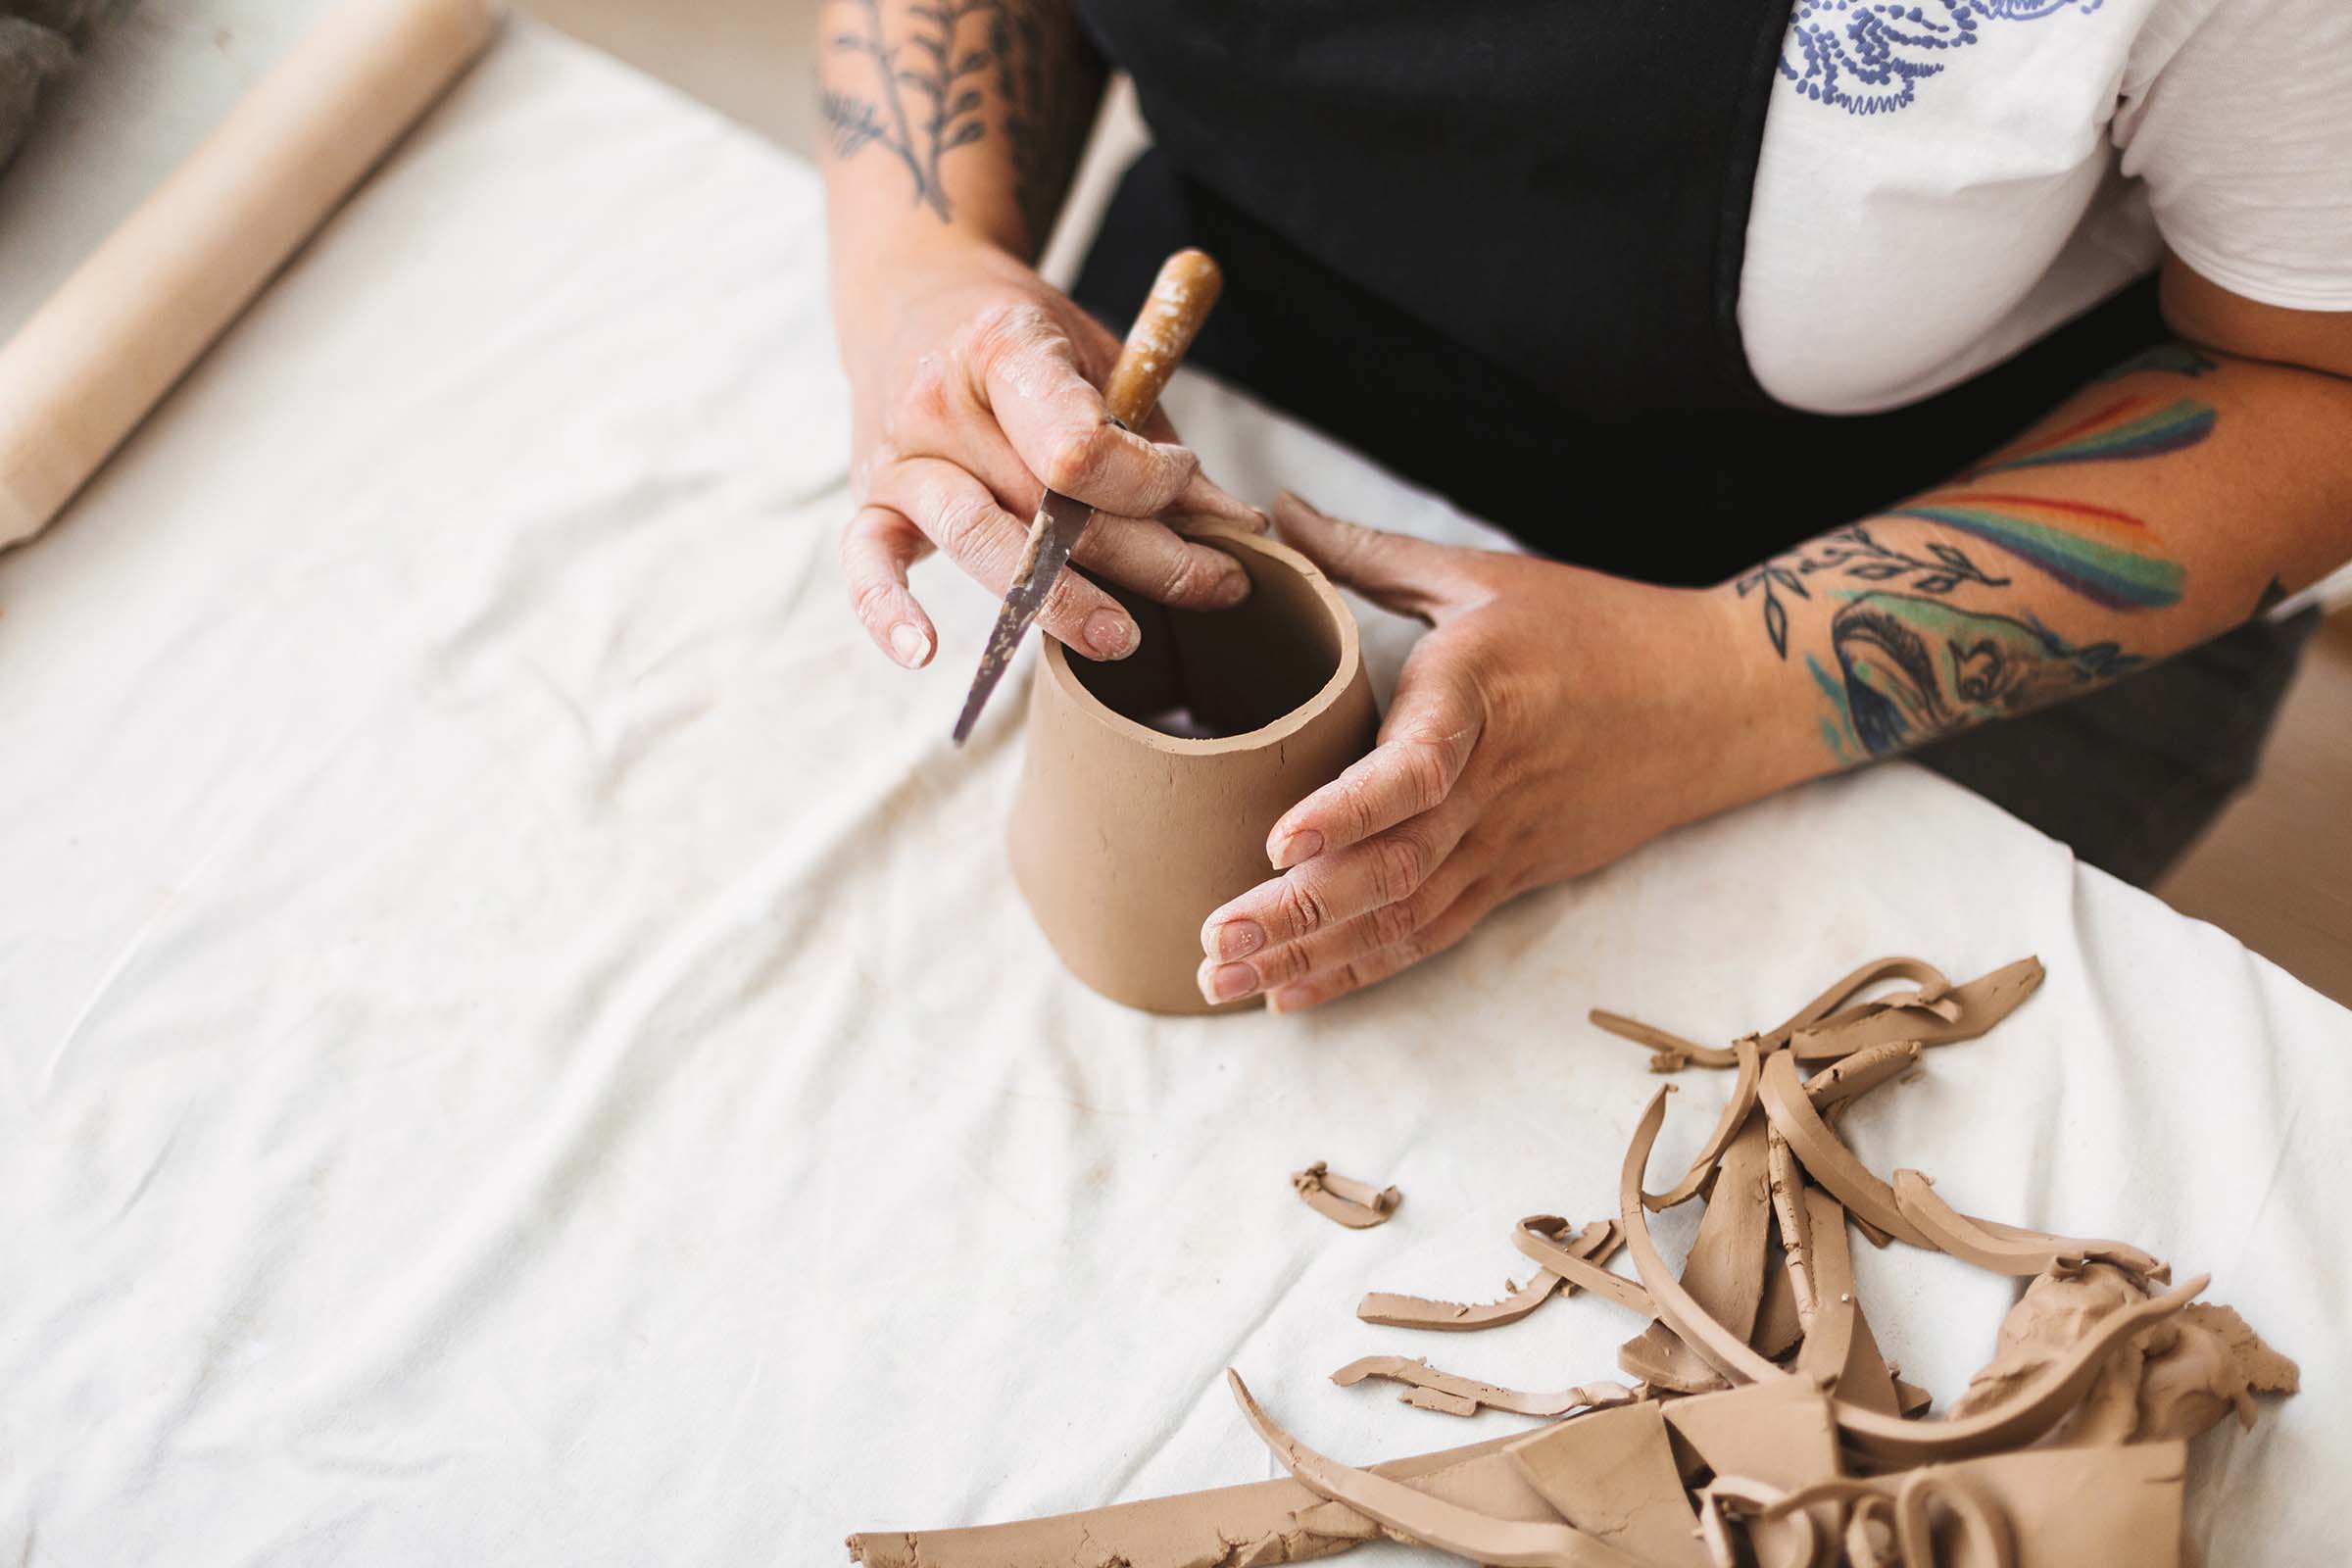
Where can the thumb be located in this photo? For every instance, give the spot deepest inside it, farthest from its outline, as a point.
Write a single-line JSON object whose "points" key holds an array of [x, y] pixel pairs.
{"points": [[1396, 571]]}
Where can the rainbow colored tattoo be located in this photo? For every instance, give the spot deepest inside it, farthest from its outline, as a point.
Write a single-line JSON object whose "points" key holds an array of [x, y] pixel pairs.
{"points": [[2130, 428], [2099, 552]]}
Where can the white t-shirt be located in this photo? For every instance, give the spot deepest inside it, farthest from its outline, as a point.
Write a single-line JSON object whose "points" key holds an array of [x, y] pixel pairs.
{"points": [[1942, 182]]}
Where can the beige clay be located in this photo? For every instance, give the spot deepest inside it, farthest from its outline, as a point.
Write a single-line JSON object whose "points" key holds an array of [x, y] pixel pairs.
{"points": [[1124, 838], [2066, 1449], [1342, 1199]]}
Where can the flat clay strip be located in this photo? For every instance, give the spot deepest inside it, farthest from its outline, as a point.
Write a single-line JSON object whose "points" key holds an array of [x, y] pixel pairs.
{"points": [[1358, 1205], [1726, 1351], [1778, 1327], [1428, 1520], [1537, 1235], [1669, 1053], [1723, 1272], [1612, 1475], [1982, 1003], [1432, 1390], [1273, 1521], [1794, 1220], [1830, 1337], [1827, 1160], [1595, 1244], [1851, 1077], [1736, 1112], [2024, 1254]]}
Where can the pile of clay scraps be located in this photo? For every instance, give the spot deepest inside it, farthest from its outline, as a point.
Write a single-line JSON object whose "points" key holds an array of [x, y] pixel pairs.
{"points": [[1759, 1425]]}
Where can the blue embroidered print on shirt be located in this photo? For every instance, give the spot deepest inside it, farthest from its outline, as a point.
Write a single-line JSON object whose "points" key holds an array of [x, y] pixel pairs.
{"points": [[1868, 58]]}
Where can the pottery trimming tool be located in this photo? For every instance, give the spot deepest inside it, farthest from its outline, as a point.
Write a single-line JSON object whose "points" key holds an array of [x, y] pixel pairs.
{"points": [[1172, 317]]}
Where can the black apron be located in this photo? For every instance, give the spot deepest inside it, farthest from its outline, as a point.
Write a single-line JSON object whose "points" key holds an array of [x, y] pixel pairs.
{"points": [[1497, 248]]}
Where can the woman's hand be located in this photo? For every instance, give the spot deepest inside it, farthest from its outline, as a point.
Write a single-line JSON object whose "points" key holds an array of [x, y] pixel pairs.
{"points": [[974, 389], [1552, 720]]}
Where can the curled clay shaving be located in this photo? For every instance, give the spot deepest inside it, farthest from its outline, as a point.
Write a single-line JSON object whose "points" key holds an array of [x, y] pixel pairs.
{"points": [[1722, 1274], [2010, 1251], [1595, 1243], [1825, 1157], [1849, 1078], [1421, 1312], [1539, 1237], [1668, 1053], [1358, 1205], [1420, 1517], [1963, 1013], [1735, 1111], [1672, 1304], [2025, 1415], [1432, 1390], [1729, 1497]]}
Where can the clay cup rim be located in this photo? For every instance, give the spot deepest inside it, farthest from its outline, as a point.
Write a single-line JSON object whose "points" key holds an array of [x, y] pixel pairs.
{"points": [[1275, 552]]}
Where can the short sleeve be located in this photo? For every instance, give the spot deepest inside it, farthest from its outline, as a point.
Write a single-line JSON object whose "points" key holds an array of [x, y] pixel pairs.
{"points": [[2239, 124]]}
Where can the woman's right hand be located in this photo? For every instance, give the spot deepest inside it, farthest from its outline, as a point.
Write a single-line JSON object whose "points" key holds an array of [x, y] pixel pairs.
{"points": [[974, 387]]}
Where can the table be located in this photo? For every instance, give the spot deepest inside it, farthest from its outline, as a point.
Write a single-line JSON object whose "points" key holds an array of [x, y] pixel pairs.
{"points": [[516, 1043]]}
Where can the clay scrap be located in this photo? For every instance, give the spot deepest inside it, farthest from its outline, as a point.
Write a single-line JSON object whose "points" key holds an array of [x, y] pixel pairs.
{"points": [[1764, 1426], [1358, 1205]]}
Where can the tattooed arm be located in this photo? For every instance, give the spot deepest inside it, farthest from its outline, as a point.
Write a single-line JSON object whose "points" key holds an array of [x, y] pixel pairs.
{"points": [[2159, 507], [953, 128], [1554, 718]]}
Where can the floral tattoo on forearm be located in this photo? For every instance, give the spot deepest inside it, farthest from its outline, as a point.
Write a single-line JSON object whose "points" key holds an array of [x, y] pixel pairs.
{"points": [[1922, 641], [939, 73]]}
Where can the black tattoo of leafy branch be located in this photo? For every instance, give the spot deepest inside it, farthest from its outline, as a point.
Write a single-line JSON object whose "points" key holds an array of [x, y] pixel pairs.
{"points": [[929, 100], [1854, 553]]}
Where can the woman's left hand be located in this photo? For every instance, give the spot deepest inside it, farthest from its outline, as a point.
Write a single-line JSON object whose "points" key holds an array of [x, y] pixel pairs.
{"points": [[1552, 720]]}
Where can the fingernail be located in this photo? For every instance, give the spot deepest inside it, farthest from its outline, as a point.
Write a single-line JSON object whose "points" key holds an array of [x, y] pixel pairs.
{"points": [[1226, 982], [1283, 1000], [1236, 939], [1296, 847], [910, 645], [1300, 502], [1110, 634], [1232, 587]]}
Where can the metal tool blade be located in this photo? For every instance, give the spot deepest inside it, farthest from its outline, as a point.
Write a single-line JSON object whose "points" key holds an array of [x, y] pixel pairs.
{"points": [[1052, 535]]}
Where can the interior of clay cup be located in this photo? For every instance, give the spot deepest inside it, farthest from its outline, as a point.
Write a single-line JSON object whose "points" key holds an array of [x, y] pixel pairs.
{"points": [[1204, 674]]}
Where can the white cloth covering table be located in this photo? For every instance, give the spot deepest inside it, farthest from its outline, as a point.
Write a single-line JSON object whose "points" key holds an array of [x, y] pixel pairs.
{"points": [[518, 1045]]}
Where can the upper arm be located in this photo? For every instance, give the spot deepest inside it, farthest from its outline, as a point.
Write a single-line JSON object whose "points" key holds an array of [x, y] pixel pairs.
{"points": [[2237, 116], [2202, 311]]}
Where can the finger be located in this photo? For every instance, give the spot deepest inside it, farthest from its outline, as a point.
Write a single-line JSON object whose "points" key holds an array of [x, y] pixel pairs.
{"points": [[1331, 890], [1457, 921], [876, 549], [961, 516], [1425, 741], [1224, 505], [1396, 571], [1153, 561], [1384, 927], [1057, 422]]}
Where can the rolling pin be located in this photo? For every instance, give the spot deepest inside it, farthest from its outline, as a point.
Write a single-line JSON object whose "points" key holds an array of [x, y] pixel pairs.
{"points": [[108, 346]]}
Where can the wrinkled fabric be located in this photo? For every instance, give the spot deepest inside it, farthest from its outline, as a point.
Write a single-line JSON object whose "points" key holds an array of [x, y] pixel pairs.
{"points": [[517, 1044]]}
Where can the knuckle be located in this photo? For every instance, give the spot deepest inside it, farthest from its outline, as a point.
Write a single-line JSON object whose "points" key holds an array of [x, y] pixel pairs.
{"points": [[1013, 324], [873, 599], [927, 394], [1188, 578], [1076, 456], [1280, 967], [1427, 770], [1393, 923], [1401, 866], [1302, 908]]}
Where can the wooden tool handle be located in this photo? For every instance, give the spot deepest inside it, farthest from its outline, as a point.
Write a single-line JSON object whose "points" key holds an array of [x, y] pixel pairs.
{"points": [[1186, 286]]}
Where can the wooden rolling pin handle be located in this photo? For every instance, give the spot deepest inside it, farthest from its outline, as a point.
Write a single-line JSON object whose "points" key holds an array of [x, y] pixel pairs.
{"points": [[1164, 329]]}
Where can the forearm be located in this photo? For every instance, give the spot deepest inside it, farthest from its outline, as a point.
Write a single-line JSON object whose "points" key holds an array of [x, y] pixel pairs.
{"points": [[950, 121], [2159, 507]]}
